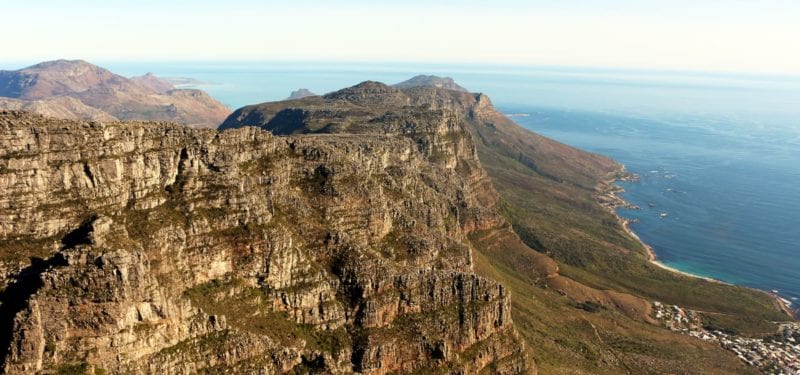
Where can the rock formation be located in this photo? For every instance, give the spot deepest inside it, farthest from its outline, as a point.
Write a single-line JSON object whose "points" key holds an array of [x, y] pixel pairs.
{"points": [[74, 89], [153, 247], [375, 108]]}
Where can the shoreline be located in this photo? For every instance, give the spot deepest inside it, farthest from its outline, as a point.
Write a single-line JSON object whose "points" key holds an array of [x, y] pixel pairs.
{"points": [[652, 258], [608, 197]]}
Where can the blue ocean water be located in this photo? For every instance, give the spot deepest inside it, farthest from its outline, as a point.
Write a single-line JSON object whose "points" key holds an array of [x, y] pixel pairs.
{"points": [[718, 154]]}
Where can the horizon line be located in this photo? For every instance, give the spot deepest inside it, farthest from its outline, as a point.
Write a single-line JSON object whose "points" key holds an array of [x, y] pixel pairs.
{"points": [[23, 63]]}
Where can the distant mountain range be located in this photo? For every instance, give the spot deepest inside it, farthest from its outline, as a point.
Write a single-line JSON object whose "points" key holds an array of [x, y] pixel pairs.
{"points": [[76, 89]]}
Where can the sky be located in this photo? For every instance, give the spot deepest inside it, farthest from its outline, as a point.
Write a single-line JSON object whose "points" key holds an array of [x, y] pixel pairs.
{"points": [[753, 36]]}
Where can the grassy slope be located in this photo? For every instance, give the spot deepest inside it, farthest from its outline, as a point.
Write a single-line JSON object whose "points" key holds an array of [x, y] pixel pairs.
{"points": [[564, 339], [548, 194], [562, 219]]}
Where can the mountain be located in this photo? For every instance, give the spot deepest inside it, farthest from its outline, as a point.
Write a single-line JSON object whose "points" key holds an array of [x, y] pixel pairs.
{"points": [[446, 83], [52, 87], [561, 244], [57, 106], [300, 94], [370, 230], [154, 83], [152, 247]]}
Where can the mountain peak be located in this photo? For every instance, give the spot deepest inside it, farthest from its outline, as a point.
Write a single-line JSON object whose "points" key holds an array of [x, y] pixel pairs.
{"points": [[70, 67], [60, 63], [43, 87], [151, 82], [370, 92], [53, 78], [446, 83]]}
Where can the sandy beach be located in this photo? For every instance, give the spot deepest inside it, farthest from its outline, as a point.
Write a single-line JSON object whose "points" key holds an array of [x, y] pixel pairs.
{"points": [[609, 198], [651, 255]]}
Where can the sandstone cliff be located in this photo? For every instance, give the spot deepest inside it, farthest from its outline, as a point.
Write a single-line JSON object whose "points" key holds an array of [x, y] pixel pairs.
{"points": [[152, 247], [74, 89]]}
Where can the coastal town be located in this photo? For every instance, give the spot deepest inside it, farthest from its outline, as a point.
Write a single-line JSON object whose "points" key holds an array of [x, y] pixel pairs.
{"points": [[775, 354]]}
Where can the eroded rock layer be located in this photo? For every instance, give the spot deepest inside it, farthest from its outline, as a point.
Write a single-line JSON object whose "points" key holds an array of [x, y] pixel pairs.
{"points": [[152, 247]]}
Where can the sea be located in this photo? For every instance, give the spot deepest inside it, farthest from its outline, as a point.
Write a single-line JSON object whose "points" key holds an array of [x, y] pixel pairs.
{"points": [[718, 154]]}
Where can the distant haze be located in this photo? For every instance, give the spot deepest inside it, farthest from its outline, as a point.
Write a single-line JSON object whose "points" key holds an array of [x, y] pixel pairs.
{"points": [[709, 35]]}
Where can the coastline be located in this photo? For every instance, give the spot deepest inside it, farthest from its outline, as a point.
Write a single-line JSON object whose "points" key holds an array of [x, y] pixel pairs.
{"points": [[608, 197], [652, 258]]}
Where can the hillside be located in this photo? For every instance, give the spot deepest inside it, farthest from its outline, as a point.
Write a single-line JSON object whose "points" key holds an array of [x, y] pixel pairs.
{"points": [[75, 89]]}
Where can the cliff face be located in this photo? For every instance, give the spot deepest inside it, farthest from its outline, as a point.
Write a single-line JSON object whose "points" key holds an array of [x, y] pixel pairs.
{"points": [[94, 93], [151, 247]]}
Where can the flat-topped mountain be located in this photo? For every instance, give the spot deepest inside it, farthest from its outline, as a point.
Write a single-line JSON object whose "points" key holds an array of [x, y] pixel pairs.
{"points": [[104, 95], [446, 83], [300, 94]]}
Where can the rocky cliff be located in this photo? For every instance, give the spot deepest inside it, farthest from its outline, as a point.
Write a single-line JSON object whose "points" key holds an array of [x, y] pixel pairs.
{"points": [[152, 247], [75, 89], [375, 108]]}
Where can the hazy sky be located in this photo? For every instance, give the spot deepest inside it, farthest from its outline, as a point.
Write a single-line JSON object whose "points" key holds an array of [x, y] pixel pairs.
{"points": [[716, 35]]}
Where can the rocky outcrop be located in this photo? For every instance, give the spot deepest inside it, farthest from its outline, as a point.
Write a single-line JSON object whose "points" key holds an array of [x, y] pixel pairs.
{"points": [[152, 247], [74, 89]]}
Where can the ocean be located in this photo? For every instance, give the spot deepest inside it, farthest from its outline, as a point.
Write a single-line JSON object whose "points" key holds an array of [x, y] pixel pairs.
{"points": [[718, 154]]}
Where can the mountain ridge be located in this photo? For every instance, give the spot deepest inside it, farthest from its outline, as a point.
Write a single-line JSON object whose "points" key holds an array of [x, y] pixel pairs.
{"points": [[550, 194], [43, 86], [446, 83], [370, 230]]}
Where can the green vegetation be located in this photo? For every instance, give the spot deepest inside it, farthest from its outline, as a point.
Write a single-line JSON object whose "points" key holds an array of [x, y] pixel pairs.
{"points": [[565, 339], [81, 369], [261, 164], [548, 195], [247, 310], [557, 214], [209, 342], [18, 249], [590, 306]]}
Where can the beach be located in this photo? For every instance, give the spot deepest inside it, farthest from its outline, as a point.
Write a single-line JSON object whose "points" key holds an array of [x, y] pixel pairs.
{"points": [[609, 197]]}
